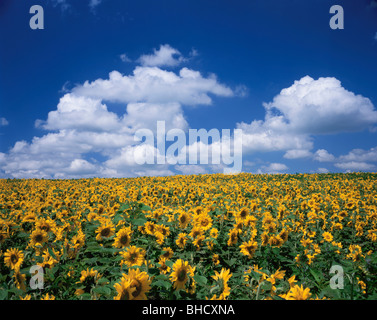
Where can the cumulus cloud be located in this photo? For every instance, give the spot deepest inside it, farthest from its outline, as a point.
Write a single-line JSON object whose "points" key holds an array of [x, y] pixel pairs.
{"points": [[307, 108], [85, 138], [323, 155], [165, 56], [154, 85], [321, 106]]}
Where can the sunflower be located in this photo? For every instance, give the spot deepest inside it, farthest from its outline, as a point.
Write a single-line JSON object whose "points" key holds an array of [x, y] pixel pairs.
{"points": [[150, 227], [181, 240], [27, 297], [249, 248], [221, 286], [19, 280], [184, 219], [48, 297], [243, 214], [204, 221], [88, 279], [13, 258], [181, 271], [124, 289], [215, 259], [89, 274], [196, 231], [123, 238], [3, 236], [78, 240], [168, 253], [38, 237], [105, 230], [327, 236], [233, 237], [278, 275], [298, 293], [198, 242], [140, 284], [133, 256], [45, 225], [214, 233], [164, 269]]}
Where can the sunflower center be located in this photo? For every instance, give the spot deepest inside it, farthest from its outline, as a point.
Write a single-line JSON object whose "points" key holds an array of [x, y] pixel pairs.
{"points": [[14, 258], [138, 286], [181, 275], [204, 222], [105, 232], [182, 219], [243, 213], [133, 257], [38, 238], [124, 240]]}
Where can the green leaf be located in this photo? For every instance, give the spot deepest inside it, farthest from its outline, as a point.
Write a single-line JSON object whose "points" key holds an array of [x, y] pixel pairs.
{"points": [[102, 290], [139, 221], [3, 294], [162, 283], [230, 262], [200, 280], [103, 281], [317, 275]]}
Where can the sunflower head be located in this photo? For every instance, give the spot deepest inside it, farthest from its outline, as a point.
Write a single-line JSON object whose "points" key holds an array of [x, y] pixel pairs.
{"points": [[38, 237], [133, 256], [123, 238], [139, 284], [13, 258], [181, 272], [105, 231]]}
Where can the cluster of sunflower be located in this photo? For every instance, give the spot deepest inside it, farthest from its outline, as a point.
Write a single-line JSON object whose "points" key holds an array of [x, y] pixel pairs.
{"points": [[190, 237]]}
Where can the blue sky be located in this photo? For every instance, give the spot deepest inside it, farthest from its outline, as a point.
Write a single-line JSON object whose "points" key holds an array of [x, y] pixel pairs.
{"points": [[304, 95]]}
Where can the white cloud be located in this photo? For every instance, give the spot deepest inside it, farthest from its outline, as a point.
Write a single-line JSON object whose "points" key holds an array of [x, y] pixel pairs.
{"points": [[273, 168], [297, 154], [80, 113], [323, 170], [3, 122], [360, 155], [155, 85], [165, 56], [307, 108], [323, 155], [321, 106], [84, 138], [355, 166]]}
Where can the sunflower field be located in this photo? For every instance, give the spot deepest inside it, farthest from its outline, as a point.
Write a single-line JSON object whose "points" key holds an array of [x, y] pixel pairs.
{"points": [[190, 237]]}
